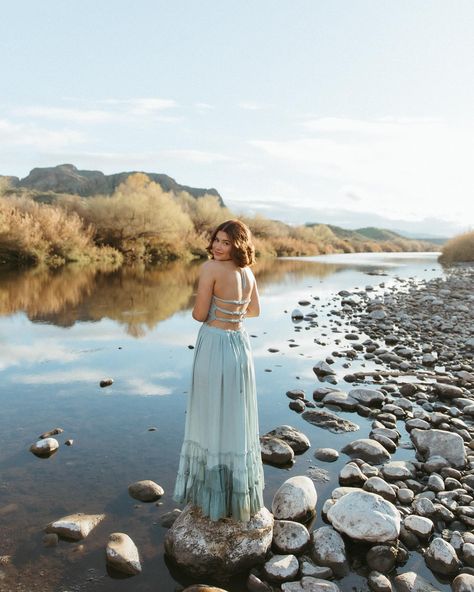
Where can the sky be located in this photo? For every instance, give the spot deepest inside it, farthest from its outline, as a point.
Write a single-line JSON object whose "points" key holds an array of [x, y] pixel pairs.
{"points": [[348, 112]]}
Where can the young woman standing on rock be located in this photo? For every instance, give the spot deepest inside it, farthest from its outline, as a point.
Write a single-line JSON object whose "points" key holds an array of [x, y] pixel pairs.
{"points": [[220, 468]]}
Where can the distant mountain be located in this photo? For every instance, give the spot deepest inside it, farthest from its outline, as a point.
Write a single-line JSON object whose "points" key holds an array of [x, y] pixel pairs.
{"points": [[66, 178], [379, 234]]}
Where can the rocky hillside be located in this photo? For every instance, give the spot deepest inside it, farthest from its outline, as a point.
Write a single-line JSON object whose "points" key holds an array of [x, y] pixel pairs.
{"points": [[66, 178]]}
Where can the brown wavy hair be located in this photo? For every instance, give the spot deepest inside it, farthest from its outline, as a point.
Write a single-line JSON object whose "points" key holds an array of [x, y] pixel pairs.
{"points": [[242, 251]]}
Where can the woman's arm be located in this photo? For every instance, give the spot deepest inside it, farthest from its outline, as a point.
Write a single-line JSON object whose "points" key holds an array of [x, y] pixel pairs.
{"points": [[204, 292], [253, 309]]}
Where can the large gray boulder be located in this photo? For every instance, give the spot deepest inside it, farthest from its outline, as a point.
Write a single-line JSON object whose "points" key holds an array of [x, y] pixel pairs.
{"points": [[440, 443], [328, 549], [368, 450], [201, 547], [295, 499], [365, 517], [367, 396], [441, 557], [298, 441]]}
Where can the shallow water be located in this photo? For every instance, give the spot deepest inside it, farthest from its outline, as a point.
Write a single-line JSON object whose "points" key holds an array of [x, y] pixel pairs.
{"points": [[61, 333]]}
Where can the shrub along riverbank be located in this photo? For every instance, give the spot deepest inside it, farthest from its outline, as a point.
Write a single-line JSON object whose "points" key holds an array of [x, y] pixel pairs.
{"points": [[140, 221], [459, 249]]}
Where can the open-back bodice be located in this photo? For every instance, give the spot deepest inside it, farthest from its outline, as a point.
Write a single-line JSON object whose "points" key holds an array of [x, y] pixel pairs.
{"points": [[232, 315]]}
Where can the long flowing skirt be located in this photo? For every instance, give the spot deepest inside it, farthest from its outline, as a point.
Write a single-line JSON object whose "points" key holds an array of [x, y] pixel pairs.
{"points": [[220, 467]]}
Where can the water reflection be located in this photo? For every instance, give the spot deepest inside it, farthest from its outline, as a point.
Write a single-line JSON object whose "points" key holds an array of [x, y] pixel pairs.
{"points": [[137, 298]]}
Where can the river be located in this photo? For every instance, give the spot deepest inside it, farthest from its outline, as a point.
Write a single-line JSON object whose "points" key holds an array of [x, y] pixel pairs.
{"points": [[62, 332]]}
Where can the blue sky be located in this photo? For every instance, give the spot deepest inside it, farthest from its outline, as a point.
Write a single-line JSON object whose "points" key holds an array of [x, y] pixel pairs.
{"points": [[348, 112]]}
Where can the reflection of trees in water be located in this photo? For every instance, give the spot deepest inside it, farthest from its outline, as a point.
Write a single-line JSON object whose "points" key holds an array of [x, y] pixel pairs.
{"points": [[271, 270], [136, 297]]}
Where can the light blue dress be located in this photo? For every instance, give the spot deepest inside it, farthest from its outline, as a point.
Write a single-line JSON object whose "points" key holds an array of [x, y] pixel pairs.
{"points": [[220, 467]]}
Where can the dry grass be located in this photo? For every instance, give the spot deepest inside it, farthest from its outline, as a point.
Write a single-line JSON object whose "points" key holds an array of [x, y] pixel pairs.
{"points": [[140, 222], [459, 249]]}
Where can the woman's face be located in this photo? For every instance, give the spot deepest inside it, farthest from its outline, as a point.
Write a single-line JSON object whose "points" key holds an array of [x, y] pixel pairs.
{"points": [[221, 246]]}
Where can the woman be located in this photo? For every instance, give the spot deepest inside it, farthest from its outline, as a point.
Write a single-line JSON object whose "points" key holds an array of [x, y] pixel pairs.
{"points": [[220, 468]]}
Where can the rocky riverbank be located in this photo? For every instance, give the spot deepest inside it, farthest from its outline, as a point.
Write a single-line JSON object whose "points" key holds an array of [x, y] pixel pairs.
{"points": [[412, 344]]}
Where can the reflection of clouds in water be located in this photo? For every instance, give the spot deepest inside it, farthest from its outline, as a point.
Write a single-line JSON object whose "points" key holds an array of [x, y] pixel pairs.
{"points": [[35, 353], [165, 374], [62, 377], [140, 386]]}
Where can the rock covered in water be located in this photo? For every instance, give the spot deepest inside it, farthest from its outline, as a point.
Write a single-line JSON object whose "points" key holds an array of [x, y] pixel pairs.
{"points": [[146, 490], [298, 441], [276, 451], [201, 547], [295, 499], [368, 450], [75, 526], [45, 447], [329, 421], [122, 554], [365, 516]]}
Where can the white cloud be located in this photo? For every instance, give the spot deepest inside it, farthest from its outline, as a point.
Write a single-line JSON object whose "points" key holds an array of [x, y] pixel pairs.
{"points": [[250, 105], [34, 353], [139, 386], [61, 377], [71, 115], [402, 168], [197, 156], [25, 134]]}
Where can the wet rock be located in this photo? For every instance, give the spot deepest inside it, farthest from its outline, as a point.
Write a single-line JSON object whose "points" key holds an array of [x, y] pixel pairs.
{"points": [[297, 406], [167, 520], [341, 400], [295, 499], [435, 483], [328, 550], [405, 495], [447, 391], [50, 540], [326, 454], [106, 382], [381, 558], [53, 432], [255, 584], [297, 315], [329, 421], [413, 582], [368, 450], [289, 537], [201, 547], [463, 583], [146, 491], [122, 554], [419, 525], [322, 369], [365, 516], [276, 451], [378, 582], [206, 588], [398, 470], [350, 474], [369, 397], [75, 526], [440, 443], [441, 557], [281, 568], [45, 447], [380, 487]]}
